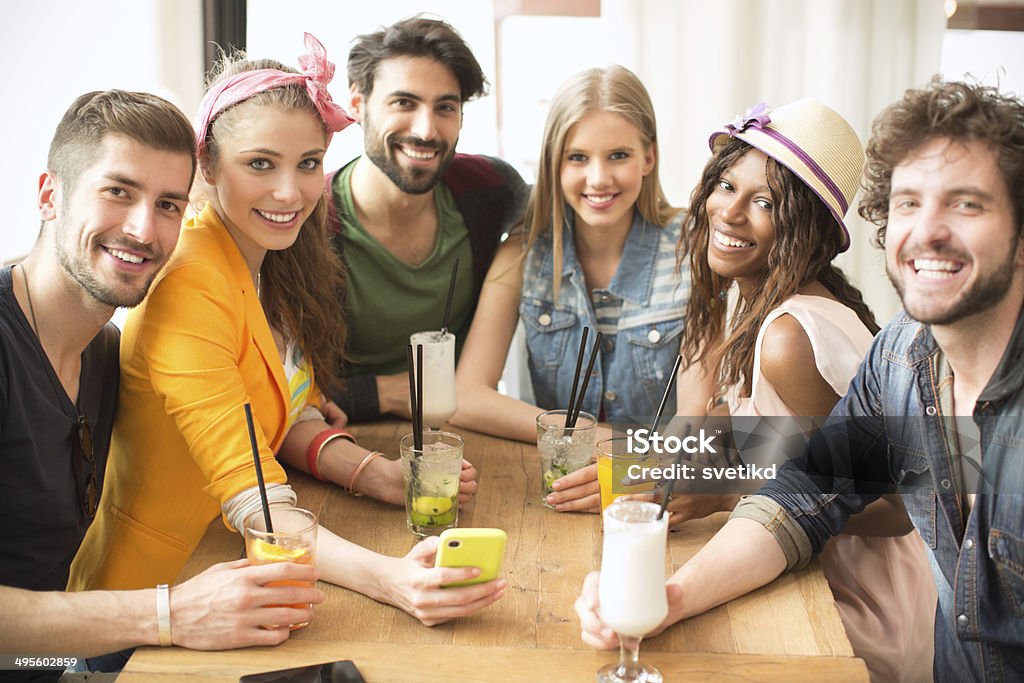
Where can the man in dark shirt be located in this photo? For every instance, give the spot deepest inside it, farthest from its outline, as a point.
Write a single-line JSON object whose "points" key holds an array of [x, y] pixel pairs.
{"points": [[406, 209], [111, 201]]}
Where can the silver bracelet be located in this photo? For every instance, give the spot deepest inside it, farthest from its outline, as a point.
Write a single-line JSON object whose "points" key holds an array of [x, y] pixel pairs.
{"points": [[163, 614]]}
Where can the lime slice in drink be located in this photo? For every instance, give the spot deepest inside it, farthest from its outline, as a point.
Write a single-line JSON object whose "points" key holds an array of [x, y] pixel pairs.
{"points": [[431, 505]]}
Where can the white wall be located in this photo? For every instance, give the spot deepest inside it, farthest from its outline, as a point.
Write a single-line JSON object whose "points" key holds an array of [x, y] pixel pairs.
{"points": [[993, 57], [55, 50]]}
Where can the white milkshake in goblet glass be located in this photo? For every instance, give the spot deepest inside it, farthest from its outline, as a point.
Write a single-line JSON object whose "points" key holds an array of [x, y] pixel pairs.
{"points": [[438, 376], [631, 591]]}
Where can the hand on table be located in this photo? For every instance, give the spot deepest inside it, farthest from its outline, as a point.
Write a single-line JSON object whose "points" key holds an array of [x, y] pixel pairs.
{"points": [[390, 488], [415, 587], [596, 633], [333, 414], [393, 394], [577, 491], [467, 483], [686, 506], [225, 607]]}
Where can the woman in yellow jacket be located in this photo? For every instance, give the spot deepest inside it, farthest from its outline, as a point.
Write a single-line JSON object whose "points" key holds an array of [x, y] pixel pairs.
{"points": [[253, 281]]}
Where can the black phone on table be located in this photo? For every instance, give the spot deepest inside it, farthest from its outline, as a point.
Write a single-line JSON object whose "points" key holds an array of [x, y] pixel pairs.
{"points": [[331, 672]]}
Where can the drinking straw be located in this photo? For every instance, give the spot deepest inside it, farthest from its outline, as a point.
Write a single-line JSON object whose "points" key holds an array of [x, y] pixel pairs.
{"points": [[664, 398], [417, 430], [576, 377], [448, 301], [672, 480], [419, 397], [586, 378], [417, 414], [259, 468]]}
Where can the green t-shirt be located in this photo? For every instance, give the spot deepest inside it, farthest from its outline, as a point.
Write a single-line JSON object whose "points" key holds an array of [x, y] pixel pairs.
{"points": [[387, 299]]}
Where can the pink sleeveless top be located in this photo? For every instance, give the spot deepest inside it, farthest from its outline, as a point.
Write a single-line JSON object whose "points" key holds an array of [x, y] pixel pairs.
{"points": [[883, 586]]}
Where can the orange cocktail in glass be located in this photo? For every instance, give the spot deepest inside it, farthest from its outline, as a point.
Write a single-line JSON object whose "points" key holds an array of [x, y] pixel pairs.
{"points": [[293, 540], [613, 468]]}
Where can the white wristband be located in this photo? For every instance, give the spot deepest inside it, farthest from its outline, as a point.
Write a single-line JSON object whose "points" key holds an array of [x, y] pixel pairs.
{"points": [[163, 614]]}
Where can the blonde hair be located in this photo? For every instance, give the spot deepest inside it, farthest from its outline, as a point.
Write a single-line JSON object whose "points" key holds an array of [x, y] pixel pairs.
{"points": [[613, 89]]}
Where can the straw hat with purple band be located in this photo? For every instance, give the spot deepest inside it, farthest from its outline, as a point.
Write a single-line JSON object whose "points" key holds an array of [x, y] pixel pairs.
{"points": [[812, 141]]}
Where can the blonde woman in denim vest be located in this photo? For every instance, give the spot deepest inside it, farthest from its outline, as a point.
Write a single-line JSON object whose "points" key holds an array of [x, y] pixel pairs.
{"points": [[596, 250]]}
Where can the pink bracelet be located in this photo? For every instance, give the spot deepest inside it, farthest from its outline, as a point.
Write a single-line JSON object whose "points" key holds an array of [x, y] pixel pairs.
{"points": [[317, 445], [351, 488]]}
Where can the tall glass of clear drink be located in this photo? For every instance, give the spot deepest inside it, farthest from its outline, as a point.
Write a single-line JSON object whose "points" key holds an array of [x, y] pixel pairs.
{"points": [[563, 449], [431, 480]]}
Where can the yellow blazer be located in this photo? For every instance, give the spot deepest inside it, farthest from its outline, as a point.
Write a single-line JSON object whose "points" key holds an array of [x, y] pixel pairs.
{"points": [[196, 350]]}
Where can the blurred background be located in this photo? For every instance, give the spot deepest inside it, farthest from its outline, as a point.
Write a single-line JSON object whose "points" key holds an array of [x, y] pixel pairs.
{"points": [[703, 61]]}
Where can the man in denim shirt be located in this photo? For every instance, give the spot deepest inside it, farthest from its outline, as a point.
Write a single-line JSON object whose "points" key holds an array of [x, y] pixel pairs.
{"points": [[941, 391]]}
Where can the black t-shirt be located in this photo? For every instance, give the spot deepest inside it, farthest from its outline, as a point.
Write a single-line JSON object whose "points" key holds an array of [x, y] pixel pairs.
{"points": [[41, 520]]}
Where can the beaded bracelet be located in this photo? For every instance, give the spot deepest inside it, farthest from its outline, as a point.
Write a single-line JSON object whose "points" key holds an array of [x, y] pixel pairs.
{"points": [[316, 448], [351, 488]]}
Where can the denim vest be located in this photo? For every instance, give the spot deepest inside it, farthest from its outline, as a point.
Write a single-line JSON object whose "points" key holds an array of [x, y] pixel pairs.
{"points": [[636, 358], [889, 429]]}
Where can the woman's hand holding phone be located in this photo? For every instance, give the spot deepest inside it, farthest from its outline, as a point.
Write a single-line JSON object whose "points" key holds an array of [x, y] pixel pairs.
{"points": [[416, 586], [481, 548]]}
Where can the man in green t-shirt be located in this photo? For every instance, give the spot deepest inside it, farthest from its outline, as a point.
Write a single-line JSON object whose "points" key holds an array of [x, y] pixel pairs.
{"points": [[409, 206]]}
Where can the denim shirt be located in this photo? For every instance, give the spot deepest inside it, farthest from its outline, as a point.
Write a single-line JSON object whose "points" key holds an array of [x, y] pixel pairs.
{"points": [[889, 429], [640, 343]]}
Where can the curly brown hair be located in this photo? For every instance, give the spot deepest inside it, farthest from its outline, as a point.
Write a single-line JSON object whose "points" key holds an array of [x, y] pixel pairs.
{"points": [[961, 112], [301, 286], [807, 238]]}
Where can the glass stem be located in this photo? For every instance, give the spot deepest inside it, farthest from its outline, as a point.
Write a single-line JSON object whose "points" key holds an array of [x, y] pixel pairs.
{"points": [[629, 658]]}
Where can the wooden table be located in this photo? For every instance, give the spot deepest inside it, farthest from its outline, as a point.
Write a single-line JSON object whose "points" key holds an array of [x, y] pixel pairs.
{"points": [[789, 630]]}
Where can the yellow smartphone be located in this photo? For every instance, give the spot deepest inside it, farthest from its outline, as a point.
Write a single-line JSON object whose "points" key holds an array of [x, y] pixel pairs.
{"points": [[484, 548]]}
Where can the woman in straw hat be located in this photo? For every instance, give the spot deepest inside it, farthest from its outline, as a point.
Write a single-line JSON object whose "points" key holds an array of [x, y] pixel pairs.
{"points": [[767, 219], [244, 314]]}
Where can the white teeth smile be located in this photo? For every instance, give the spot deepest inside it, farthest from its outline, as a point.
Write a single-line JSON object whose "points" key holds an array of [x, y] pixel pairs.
{"points": [[936, 269], [599, 198], [125, 256], [727, 241], [277, 217], [418, 155]]}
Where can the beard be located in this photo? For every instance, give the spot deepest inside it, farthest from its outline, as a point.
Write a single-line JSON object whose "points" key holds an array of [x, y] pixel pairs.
{"points": [[124, 294], [987, 291], [410, 181]]}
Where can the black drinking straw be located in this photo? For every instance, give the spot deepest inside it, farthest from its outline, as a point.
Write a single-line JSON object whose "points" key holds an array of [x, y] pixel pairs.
{"points": [[586, 378], [259, 468], [576, 377], [664, 399], [416, 428], [448, 301], [672, 480], [419, 397]]}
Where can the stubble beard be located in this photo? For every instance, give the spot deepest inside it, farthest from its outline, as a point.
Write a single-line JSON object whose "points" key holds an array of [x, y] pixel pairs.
{"points": [[986, 292], [78, 268], [410, 181]]}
